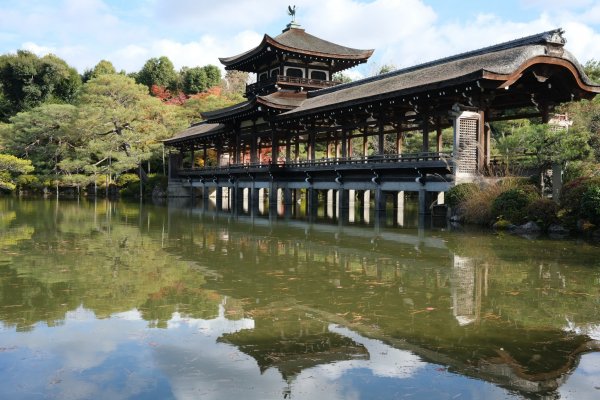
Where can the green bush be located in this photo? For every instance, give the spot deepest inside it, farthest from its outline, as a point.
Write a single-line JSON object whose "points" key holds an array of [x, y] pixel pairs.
{"points": [[457, 194], [132, 189], [572, 192], [127, 179], [590, 204], [543, 212], [512, 205], [29, 183]]}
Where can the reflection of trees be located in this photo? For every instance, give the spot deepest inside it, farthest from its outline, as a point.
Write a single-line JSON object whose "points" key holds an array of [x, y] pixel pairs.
{"points": [[80, 256]]}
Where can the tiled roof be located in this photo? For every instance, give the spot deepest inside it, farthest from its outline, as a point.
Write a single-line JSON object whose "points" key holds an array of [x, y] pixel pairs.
{"points": [[297, 40], [504, 59], [195, 131]]}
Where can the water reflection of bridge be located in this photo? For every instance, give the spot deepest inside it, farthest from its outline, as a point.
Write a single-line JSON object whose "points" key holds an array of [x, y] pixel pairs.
{"points": [[451, 309]]}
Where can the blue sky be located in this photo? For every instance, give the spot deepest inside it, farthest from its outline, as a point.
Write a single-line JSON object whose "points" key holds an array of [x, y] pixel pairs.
{"points": [[196, 32]]}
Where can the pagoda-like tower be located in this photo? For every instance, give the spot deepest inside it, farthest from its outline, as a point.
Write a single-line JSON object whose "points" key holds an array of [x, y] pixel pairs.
{"points": [[294, 60]]}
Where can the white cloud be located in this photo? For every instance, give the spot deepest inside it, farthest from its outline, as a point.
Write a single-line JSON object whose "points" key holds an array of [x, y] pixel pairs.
{"points": [[36, 49], [192, 32]]}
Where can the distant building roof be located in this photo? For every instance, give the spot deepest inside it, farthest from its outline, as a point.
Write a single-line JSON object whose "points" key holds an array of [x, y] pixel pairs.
{"points": [[297, 41]]}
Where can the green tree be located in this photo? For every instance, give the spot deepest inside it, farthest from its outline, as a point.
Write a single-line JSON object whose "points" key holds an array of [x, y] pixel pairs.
{"points": [[546, 145], [104, 67], [213, 75], [160, 72], [27, 81], [122, 126], [45, 135], [10, 168], [235, 82], [592, 70], [341, 77], [194, 80]]}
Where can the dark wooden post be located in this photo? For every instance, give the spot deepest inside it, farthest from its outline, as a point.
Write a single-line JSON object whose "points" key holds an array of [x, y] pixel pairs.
{"points": [[381, 138], [425, 148], [438, 126]]}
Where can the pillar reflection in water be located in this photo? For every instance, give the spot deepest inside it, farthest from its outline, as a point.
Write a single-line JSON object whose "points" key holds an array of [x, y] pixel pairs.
{"points": [[367, 206], [351, 206], [467, 283], [400, 209], [261, 201]]}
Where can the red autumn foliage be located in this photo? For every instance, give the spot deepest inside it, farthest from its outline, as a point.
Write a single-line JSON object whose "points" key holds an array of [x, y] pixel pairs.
{"points": [[167, 97]]}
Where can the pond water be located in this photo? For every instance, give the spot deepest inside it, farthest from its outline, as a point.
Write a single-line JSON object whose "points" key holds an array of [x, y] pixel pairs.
{"points": [[104, 300]]}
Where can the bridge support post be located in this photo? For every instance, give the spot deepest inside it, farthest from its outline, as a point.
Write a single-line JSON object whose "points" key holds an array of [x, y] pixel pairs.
{"points": [[254, 199], [343, 204], [425, 200], [312, 202], [219, 197], [288, 202], [273, 200], [205, 197]]}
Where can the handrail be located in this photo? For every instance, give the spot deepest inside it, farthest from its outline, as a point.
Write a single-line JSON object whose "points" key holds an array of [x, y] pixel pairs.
{"points": [[374, 160], [283, 79]]}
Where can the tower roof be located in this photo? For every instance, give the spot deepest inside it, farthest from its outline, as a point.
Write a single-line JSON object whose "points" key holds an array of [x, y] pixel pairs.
{"points": [[296, 42]]}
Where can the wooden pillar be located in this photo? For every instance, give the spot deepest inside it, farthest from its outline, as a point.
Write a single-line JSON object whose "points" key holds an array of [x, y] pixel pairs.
{"points": [[297, 149], [399, 141], [344, 143], [365, 149], [481, 143], [288, 150], [219, 152], [237, 158], [439, 143], [274, 146], [204, 154], [253, 144], [349, 150], [193, 163], [381, 138], [425, 148], [312, 141]]}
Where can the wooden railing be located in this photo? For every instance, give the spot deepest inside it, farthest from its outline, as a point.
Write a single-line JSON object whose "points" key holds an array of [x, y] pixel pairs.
{"points": [[327, 163], [290, 80]]}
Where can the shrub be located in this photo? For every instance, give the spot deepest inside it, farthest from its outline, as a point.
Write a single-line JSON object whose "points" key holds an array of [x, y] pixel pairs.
{"points": [[543, 212], [512, 204], [457, 194], [126, 179], [572, 193], [29, 183], [590, 204], [477, 207]]}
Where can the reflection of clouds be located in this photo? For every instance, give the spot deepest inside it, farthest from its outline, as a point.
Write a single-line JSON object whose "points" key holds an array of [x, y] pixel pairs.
{"points": [[212, 327], [592, 331], [384, 361], [583, 384]]}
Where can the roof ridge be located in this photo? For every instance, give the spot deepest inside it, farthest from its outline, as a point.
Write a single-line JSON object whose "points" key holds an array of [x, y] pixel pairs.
{"points": [[552, 36]]}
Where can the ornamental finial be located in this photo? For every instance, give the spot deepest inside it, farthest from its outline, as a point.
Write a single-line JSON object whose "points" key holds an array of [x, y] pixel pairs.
{"points": [[292, 12]]}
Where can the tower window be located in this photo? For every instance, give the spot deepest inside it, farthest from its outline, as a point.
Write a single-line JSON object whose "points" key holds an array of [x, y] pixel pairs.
{"points": [[321, 75], [294, 72]]}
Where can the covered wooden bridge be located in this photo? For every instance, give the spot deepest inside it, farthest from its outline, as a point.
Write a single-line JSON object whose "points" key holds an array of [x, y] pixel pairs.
{"points": [[301, 131]]}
